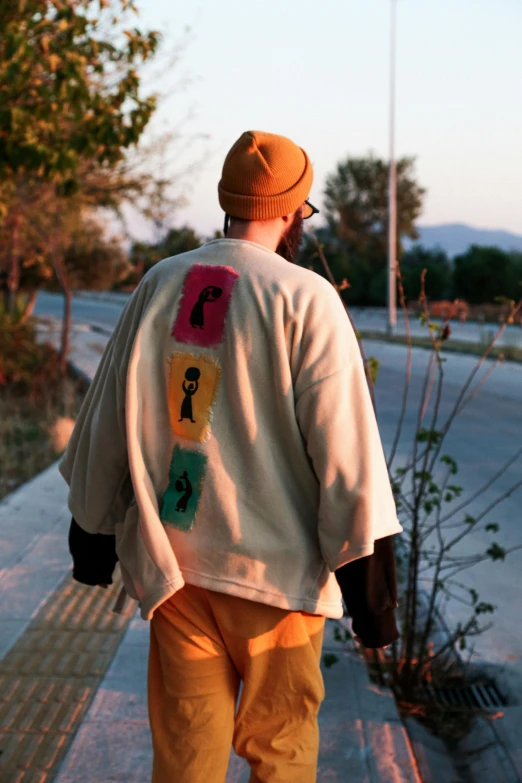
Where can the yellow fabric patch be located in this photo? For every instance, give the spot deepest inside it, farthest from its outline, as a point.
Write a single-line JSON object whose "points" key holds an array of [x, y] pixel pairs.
{"points": [[192, 390]]}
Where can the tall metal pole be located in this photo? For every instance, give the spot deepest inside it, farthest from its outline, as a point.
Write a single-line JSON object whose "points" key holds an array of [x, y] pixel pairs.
{"points": [[392, 193]]}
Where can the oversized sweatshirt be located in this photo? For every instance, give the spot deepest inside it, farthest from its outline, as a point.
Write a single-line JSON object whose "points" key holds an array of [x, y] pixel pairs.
{"points": [[228, 438]]}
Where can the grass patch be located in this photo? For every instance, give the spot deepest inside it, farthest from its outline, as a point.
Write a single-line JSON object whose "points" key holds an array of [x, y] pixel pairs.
{"points": [[27, 445], [511, 353]]}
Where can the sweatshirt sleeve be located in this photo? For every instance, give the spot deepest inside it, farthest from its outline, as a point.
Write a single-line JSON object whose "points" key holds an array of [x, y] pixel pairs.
{"points": [[336, 417], [95, 463]]}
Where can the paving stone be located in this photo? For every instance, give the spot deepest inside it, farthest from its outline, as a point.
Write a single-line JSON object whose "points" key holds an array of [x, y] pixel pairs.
{"points": [[330, 643], [55, 689], [433, 760], [84, 690], [111, 703], [49, 753], [128, 671], [52, 549], [508, 729], [488, 757], [10, 631], [9, 713], [23, 776], [30, 716], [9, 742], [391, 759], [33, 509], [51, 681], [22, 752], [122, 750], [343, 743], [238, 770], [13, 545], [138, 632], [21, 688], [24, 589], [50, 713], [69, 717]]}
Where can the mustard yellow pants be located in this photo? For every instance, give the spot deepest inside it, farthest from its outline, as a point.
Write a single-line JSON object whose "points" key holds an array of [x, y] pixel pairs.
{"points": [[202, 645]]}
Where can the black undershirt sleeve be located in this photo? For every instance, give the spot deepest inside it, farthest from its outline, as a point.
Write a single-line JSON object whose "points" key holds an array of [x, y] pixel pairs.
{"points": [[368, 584], [94, 555], [369, 589]]}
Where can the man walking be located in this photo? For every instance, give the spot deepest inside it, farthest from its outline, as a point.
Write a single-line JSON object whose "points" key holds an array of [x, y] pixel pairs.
{"points": [[290, 505]]}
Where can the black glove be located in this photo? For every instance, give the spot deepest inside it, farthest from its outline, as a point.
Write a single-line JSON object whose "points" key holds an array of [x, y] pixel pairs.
{"points": [[94, 555], [369, 589]]}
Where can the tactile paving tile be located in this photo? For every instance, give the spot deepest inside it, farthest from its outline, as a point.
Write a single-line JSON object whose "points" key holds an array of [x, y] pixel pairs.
{"points": [[50, 676]]}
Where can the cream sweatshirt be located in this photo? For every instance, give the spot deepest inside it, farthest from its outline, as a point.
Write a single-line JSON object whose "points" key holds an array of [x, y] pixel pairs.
{"points": [[228, 438]]}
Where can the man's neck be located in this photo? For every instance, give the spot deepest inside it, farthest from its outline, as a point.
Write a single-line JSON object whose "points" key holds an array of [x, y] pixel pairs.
{"points": [[266, 233]]}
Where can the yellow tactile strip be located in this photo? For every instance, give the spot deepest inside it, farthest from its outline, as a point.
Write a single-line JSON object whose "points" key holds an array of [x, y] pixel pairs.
{"points": [[50, 676]]}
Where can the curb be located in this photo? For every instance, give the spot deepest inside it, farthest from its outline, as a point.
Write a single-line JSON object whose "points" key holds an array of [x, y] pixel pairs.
{"points": [[472, 759], [46, 321], [488, 744], [453, 346], [102, 296]]}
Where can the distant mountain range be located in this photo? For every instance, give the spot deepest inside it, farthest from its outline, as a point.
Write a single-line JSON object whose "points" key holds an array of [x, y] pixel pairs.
{"points": [[455, 238]]}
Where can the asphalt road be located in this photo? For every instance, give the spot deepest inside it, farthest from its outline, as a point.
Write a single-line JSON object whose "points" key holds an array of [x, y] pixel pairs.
{"points": [[90, 311], [483, 437]]}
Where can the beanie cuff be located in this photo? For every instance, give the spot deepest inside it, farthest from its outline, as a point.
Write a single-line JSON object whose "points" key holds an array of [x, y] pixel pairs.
{"points": [[268, 207]]}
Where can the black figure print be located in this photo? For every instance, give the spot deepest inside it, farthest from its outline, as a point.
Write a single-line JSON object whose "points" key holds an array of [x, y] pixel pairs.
{"points": [[183, 485], [192, 376], [209, 294]]}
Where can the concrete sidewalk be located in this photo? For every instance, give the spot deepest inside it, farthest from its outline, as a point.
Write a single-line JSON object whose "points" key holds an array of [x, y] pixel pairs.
{"points": [[362, 736]]}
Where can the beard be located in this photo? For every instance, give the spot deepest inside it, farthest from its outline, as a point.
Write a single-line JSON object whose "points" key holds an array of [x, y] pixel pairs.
{"points": [[289, 243]]}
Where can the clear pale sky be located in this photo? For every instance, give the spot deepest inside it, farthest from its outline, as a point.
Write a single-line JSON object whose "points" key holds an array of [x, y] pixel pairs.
{"points": [[318, 72]]}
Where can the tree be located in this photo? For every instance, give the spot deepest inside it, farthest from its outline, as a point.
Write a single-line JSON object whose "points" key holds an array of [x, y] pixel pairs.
{"points": [[438, 276], [68, 92], [34, 268], [514, 290], [71, 107], [356, 202], [481, 274], [343, 265], [92, 261], [144, 255], [59, 238], [180, 240]]}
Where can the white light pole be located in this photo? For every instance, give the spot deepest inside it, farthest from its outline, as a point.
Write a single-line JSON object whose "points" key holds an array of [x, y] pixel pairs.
{"points": [[392, 193]]}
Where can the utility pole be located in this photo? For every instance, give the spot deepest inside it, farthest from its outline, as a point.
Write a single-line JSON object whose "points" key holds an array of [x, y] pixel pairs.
{"points": [[392, 192]]}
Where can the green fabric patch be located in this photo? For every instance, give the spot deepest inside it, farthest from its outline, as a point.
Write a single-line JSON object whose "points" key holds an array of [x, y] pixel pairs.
{"points": [[180, 500]]}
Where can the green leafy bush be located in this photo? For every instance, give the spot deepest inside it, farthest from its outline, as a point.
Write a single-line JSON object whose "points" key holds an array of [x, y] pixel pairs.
{"points": [[482, 274], [26, 366]]}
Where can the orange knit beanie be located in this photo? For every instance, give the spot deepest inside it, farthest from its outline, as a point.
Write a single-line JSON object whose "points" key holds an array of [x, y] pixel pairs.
{"points": [[265, 176]]}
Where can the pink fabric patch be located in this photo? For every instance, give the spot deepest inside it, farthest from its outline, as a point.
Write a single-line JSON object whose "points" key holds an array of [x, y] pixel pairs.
{"points": [[204, 304]]}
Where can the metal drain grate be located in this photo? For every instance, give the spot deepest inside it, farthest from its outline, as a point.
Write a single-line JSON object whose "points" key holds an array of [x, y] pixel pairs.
{"points": [[482, 694]]}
